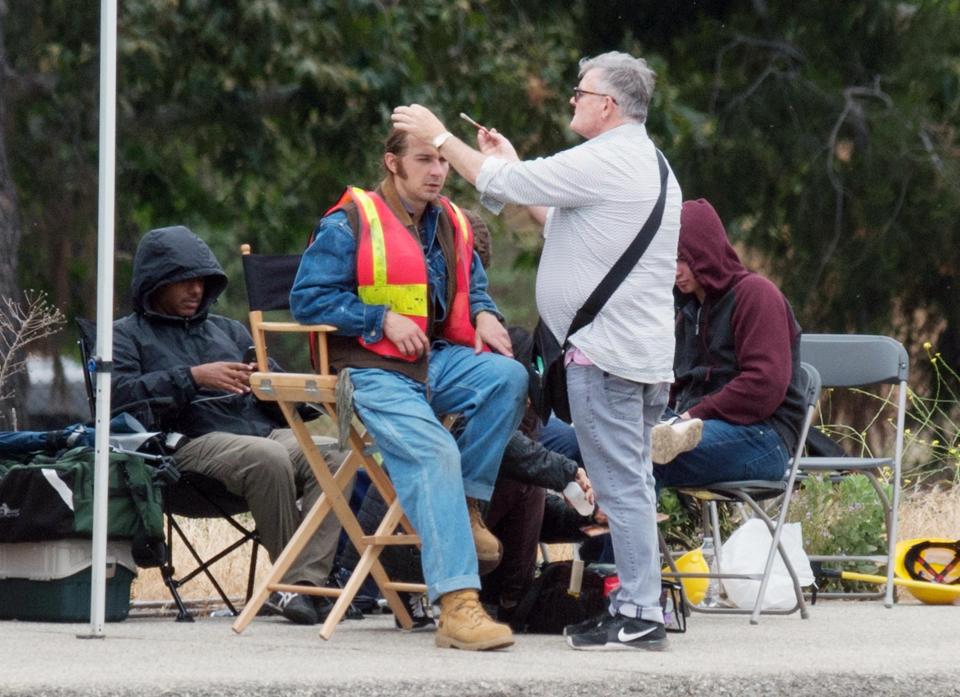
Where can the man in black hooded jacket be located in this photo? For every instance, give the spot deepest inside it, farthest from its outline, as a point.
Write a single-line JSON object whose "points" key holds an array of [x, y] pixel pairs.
{"points": [[173, 348]]}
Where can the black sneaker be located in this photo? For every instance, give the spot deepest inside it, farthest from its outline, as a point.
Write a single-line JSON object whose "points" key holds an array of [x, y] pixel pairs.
{"points": [[620, 633], [323, 606], [586, 625], [419, 612], [299, 609]]}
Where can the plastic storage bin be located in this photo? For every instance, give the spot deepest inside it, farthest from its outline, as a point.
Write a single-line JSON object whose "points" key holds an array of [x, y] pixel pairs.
{"points": [[50, 581]]}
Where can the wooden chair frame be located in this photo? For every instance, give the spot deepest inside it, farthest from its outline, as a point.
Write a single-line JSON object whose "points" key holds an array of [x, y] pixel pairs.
{"points": [[289, 390]]}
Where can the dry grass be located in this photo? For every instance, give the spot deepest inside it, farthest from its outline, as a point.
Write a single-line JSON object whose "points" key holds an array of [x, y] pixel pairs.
{"points": [[923, 513], [209, 536], [930, 513]]}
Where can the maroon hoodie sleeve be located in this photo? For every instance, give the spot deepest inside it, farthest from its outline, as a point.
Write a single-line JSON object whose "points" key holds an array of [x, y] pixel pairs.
{"points": [[763, 333]]}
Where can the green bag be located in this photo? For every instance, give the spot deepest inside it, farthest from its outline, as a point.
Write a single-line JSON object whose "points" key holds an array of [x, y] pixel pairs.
{"points": [[51, 498]]}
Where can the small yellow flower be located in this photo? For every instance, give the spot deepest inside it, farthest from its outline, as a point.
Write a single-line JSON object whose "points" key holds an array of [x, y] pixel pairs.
{"points": [[927, 345], [934, 442]]}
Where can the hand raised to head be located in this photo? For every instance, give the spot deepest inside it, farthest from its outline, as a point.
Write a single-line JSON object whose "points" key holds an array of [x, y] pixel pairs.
{"points": [[418, 121]]}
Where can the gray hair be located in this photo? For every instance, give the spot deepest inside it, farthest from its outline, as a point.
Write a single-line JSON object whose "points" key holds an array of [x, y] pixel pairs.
{"points": [[627, 79]]}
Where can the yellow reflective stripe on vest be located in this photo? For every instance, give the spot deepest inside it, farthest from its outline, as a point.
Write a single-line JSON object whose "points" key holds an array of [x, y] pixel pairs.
{"points": [[408, 299], [377, 244], [461, 222]]}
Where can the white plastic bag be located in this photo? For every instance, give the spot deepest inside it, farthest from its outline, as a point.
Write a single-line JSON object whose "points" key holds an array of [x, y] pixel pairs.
{"points": [[745, 552]]}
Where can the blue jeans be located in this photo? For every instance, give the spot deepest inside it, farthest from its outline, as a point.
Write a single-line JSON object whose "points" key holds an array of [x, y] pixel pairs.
{"points": [[727, 452], [613, 418], [432, 471], [560, 437]]}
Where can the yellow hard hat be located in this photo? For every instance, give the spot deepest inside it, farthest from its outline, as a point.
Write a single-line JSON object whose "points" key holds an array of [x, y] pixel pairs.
{"points": [[925, 559], [692, 562]]}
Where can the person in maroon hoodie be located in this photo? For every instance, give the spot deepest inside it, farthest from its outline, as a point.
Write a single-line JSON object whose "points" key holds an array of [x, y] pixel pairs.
{"points": [[737, 362]]}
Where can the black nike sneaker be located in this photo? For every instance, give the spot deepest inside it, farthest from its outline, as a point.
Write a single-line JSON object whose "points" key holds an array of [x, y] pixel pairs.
{"points": [[619, 633]]}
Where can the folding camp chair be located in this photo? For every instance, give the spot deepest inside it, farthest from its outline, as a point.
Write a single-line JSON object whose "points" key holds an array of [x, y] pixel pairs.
{"points": [[861, 361], [749, 494], [269, 279], [192, 496]]}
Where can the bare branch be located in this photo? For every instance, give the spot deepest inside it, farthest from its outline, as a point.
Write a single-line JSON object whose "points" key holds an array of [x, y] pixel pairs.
{"points": [[21, 325], [853, 98], [779, 51]]}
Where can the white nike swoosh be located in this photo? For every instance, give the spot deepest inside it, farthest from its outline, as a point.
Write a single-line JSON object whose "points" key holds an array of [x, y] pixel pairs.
{"points": [[628, 637]]}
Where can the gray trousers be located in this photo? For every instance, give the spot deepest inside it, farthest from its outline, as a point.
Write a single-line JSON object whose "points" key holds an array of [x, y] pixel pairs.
{"points": [[271, 473], [613, 418]]}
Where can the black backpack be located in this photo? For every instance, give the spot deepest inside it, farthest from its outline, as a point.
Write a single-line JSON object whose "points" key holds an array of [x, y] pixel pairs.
{"points": [[548, 606]]}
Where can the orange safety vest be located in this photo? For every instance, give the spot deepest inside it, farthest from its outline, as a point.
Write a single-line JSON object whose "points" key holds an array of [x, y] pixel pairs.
{"points": [[392, 271]]}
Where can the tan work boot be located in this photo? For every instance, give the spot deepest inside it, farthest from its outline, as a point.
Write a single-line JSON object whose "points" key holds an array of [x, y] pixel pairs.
{"points": [[669, 439], [464, 624], [489, 548]]}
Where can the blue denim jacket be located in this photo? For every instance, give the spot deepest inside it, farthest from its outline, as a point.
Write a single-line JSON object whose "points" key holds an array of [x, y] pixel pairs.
{"points": [[325, 290]]}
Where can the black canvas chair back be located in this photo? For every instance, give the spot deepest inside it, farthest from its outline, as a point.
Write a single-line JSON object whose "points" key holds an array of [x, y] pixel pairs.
{"points": [[750, 494], [269, 278], [192, 496], [873, 364]]}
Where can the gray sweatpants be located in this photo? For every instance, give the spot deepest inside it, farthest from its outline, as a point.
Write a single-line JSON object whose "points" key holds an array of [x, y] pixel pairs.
{"points": [[613, 418], [270, 473]]}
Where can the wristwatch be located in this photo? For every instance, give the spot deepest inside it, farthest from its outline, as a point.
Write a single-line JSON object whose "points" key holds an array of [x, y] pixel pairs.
{"points": [[440, 139]]}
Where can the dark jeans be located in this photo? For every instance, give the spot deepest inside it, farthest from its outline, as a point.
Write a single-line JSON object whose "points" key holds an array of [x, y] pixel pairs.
{"points": [[514, 516], [727, 452], [559, 436]]}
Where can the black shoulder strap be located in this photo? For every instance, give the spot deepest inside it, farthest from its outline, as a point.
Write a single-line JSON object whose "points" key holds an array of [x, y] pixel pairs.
{"points": [[618, 272]]}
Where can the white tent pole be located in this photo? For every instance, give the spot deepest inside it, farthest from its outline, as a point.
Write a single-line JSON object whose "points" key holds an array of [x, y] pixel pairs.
{"points": [[104, 357]]}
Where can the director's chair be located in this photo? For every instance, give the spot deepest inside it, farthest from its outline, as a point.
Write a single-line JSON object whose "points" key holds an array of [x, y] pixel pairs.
{"points": [[269, 279]]}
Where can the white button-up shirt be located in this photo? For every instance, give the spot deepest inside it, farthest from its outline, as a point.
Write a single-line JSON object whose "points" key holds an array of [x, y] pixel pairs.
{"points": [[600, 193]]}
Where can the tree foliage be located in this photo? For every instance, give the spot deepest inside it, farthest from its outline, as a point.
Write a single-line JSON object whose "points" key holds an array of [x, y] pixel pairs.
{"points": [[824, 133]]}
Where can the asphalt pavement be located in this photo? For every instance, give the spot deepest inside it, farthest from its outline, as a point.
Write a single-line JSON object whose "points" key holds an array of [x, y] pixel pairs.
{"points": [[848, 648]]}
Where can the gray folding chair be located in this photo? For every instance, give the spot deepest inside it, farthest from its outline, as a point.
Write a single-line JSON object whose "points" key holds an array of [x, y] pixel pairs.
{"points": [[750, 493], [860, 361]]}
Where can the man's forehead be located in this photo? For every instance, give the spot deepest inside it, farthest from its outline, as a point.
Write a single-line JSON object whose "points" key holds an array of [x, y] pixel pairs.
{"points": [[184, 282], [590, 78], [416, 146]]}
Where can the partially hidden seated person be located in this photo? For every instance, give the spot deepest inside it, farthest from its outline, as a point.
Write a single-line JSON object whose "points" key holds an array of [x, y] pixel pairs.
{"points": [[172, 347], [526, 508], [737, 366], [395, 271]]}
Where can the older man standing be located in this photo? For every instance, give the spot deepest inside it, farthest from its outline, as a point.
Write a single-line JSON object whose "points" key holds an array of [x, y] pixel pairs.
{"points": [[593, 199]]}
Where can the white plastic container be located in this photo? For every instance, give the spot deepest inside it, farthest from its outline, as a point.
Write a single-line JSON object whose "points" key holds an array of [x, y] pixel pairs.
{"points": [[48, 561]]}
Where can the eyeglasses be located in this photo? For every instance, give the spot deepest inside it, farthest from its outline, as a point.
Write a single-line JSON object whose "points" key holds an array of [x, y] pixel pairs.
{"points": [[577, 93]]}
